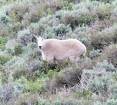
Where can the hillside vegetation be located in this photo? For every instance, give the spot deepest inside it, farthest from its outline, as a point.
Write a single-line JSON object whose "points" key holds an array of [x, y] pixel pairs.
{"points": [[26, 80]]}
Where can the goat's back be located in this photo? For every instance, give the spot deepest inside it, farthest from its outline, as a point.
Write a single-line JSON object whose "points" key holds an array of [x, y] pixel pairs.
{"points": [[62, 46]]}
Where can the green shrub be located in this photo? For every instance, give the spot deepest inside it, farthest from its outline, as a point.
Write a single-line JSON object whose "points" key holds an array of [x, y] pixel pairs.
{"points": [[109, 67], [85, 94], [4, 30], [68, 77], [98, 79], [103, 11], [43, 102], [4, 59], [110, 54], [16, 12], [113, 90], [24, 37], [34, 86], [3, 41], [25, 99], [29, 69], [104, 38], [37, 28], [49, 33], [51, 74], [16, 65], [67, 5], [94, 53], [85, 19], [100, 85], [81, 33], [61, 30], [112, 102], [76, 18], [8, 92], [105, 1], [18, 50]]}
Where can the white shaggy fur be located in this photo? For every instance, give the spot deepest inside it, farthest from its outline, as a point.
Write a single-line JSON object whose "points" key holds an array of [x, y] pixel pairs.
{"points": [[59, 50]]}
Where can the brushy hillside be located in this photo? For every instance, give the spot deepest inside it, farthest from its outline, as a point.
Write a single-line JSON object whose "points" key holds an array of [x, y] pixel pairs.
{"points": [[26, 80]]}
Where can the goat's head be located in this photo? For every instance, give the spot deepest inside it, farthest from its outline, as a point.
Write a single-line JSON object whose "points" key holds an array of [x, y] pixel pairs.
{"points": [[39, 40]]}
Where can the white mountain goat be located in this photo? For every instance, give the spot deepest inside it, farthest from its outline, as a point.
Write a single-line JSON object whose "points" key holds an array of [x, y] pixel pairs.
{"points": [[59, 50]]}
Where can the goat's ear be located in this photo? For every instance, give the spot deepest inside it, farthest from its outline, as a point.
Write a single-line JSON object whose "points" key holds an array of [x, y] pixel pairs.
{"points": [[34, 38]]}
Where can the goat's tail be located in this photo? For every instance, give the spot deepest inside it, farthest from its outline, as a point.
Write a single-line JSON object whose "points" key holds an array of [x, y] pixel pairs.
{"points": [[84, 54]]}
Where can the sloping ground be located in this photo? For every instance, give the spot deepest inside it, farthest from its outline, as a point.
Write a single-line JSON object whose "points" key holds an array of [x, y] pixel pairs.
{"points": [[26, 80]]}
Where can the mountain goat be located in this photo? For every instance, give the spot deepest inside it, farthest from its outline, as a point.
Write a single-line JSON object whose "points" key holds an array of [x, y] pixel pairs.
{"points": [[53, 50]]}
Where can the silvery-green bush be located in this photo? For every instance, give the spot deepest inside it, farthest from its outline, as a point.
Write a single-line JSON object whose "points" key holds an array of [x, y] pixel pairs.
{"points": [[112, 102], [82, 34], [109, 67], [94, 53], [24, 37], [9, 91]]}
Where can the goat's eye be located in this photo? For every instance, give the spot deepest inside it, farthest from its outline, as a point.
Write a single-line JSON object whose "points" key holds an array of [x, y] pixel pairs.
{"points": [[40, 47]]}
